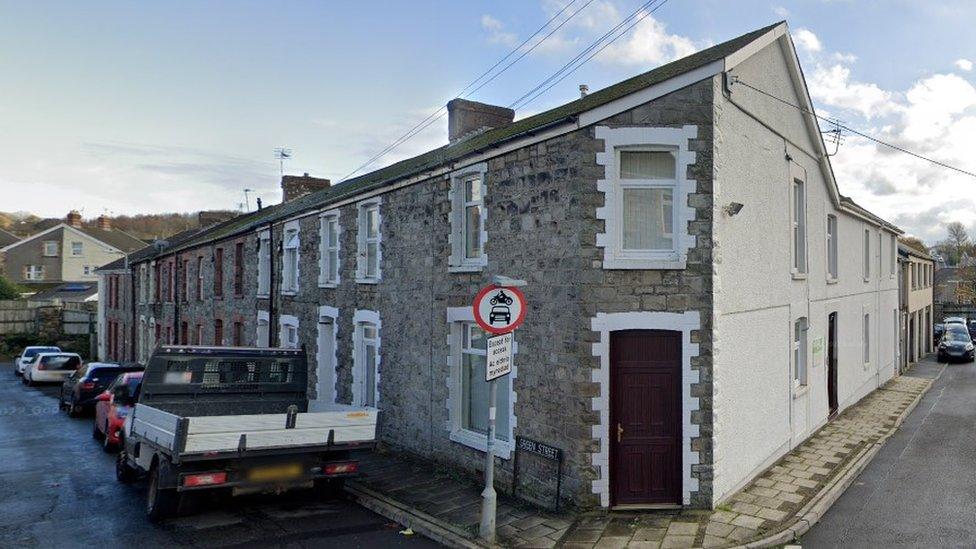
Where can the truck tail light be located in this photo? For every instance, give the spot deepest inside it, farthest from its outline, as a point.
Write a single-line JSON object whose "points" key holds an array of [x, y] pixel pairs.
{"points": [[87, 386], [204, 479], [341, 468]]}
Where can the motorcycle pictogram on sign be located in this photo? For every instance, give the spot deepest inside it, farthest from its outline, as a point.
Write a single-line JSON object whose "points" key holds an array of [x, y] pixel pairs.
{"points": [[499, 310]]}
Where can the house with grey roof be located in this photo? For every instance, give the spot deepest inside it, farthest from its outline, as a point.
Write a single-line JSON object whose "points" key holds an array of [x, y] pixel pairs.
{"points": [[701, 296], [66, 252], [7, 238]]}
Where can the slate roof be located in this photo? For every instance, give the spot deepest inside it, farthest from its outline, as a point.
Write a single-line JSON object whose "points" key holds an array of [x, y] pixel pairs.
{"points": [[906, 250], [7, 238], [69, 291], [114, 237]]}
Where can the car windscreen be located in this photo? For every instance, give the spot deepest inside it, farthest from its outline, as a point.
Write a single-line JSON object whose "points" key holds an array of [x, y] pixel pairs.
{"points": [[31, 353], [61, 362], [953, 336]]}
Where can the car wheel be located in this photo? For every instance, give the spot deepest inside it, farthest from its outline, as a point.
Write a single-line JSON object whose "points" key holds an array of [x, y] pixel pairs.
{"points": [[160, 502], [125, 473]]}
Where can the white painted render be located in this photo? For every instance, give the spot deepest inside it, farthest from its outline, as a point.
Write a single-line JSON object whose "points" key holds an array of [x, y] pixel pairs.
{"points": [[760, 145]]}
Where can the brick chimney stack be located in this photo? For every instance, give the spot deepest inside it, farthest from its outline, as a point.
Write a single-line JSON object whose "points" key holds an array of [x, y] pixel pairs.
{"points": [[104, 222], [465, 117], [294, 186], [74, 219]]}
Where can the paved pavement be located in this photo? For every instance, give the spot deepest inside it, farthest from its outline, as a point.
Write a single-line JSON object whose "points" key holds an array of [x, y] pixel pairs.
{"points": [[58, 489], [918, 491]]}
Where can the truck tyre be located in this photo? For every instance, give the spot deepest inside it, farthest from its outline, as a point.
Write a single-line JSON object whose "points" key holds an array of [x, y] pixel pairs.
{"points": [[125, 473], [329, 488], [160, 502]]}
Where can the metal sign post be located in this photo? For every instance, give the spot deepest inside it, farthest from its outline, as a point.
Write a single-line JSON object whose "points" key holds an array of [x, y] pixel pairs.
{"points": [[498, 310]]}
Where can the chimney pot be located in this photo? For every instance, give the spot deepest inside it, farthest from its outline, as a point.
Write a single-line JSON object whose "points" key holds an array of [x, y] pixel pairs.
{"points": [[295, 186], [466, 117], [74, 218], [584, 89]]}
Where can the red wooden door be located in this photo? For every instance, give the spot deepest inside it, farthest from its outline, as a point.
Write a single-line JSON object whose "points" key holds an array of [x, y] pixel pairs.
{"points": [[645, 417]]}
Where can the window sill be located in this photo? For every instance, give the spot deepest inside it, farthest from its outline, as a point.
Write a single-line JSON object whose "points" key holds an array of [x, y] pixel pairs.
{"points": [[329, 284], [800, 390], [867, 280], [262, 296], [832, 281], [644, 263], [503, 448], [798, 276], [472, 268], [367, 281], [290, 293]]}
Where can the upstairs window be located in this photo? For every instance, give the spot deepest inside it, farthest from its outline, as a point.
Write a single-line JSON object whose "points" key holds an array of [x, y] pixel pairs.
{"points": [[893, 250], [264, 263], [329, 249], [368, 238], [468, 233], [143, 283], [867, 254], [798, 220], [218, 275], [289, 262], [199, 278], [77, 248], [185, 275], [239, 268], [647, 180], [832, 247]]}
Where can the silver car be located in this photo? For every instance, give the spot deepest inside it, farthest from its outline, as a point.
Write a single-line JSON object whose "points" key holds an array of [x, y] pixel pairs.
{"points": [[51, 368]]}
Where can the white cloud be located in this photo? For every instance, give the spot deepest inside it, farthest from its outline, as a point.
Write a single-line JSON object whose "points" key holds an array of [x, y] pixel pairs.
{"points": [[964, 64], [781, 11], [649, 43], [833, 86], [496, 31], [807, 40]]}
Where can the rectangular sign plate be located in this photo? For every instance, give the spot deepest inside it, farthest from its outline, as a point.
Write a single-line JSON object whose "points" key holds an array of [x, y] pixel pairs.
{"points": [[499, 356]]}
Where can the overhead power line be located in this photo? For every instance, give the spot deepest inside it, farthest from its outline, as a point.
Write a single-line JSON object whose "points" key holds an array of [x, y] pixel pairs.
{"points": [[574, 64], [467, 91], [737, 80]]}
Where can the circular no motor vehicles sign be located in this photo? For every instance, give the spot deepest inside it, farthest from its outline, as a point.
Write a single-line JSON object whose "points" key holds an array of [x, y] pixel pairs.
{"points": [[498, 309]]}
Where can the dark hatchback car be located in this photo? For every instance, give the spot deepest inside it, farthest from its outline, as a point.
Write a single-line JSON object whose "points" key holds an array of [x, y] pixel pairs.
{"points": [[956, 345], [79, 391]]}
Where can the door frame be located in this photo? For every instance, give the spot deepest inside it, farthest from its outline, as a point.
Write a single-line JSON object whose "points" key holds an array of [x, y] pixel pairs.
{"points": [[832, 388], [326, 354], [678, 496]]}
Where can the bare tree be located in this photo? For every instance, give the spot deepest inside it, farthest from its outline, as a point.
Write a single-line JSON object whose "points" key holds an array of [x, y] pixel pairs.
{"points": [[956, 244]]}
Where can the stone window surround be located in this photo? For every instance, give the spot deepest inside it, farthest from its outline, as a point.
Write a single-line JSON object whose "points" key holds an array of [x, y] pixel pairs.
{"points": [[330, 314], [284, 322], [614, 140], [455, 195], [264, 266], [604, 324], [361, 207], [358, 374], [503, 448], [324, 281], [292, 225]]}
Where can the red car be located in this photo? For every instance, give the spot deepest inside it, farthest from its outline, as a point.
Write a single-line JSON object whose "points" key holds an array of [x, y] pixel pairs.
{"points": [[112, 407]]}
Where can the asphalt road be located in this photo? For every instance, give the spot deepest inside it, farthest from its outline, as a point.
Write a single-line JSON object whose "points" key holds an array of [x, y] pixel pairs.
{"points": [[920, 490], [58, 489]]}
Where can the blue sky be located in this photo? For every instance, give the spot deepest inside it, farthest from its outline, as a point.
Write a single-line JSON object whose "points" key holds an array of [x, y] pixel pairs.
{"points": [[177, 106]]}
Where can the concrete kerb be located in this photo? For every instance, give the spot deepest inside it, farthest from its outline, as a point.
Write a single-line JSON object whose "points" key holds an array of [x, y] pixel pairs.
{"points": [[813, 511], [416, 520]]}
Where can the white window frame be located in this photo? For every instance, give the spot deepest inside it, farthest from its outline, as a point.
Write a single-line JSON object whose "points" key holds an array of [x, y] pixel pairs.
{"points": [[87, 270], [867, 255], [290, 272], [799, 335], [645, 139], [458, 262], [46, 251], [327, 351], [34, 272], [361, 242], [457, 318], [798, 222], [326, 280], [361, 317], [833, 256], [264, 264], [288, 327], [263, 321], [81, 248]]}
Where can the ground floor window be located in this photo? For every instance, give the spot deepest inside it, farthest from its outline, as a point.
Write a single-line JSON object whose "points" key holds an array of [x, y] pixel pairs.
{"points": [[263, 330], [289, 332]]}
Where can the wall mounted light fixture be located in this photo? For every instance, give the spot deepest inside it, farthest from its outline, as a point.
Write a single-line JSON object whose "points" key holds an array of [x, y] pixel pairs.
{"points": [[733, 208]]}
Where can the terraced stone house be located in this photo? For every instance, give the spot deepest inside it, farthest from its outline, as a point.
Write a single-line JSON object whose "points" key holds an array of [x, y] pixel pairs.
{"points": [[701, 296]]}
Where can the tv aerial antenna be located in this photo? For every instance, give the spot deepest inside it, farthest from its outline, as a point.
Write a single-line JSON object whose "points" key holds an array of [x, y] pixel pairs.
{"points": [[247, 200], [834, 135], [282, 154]]}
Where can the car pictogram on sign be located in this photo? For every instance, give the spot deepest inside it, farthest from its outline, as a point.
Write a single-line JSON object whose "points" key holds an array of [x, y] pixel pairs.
{"points": [[499, 310]]}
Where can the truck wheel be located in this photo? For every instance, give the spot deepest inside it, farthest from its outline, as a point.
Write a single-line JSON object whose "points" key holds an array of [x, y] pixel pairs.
{"points": [[160, 502], [125, 473], [329, 488]]}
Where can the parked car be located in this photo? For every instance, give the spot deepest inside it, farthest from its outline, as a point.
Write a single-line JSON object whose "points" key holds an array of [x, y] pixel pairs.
{"points": [[954, 320], [112, 406], [78, 392], [238, 419], [937, 332], [956, 345], [51, 368], [28, 356]]}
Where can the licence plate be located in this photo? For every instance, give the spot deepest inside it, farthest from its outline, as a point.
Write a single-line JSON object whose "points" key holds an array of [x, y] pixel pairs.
{"points": [[275, 473]]}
